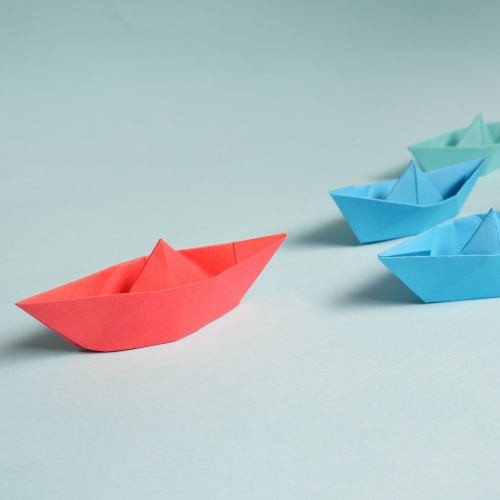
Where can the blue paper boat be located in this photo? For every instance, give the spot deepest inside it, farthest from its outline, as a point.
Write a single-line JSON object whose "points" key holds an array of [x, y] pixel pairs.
{"points": [[479, 140], [457, 260], [408, 205]]}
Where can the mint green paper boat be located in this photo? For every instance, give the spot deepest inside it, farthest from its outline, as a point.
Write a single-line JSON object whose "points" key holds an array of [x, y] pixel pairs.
{"points": [[479, 140]]}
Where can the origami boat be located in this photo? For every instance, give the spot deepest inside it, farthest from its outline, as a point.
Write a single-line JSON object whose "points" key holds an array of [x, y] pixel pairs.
{"points": [[408, 205], [479, 140], [148, 301], [457, 260]]}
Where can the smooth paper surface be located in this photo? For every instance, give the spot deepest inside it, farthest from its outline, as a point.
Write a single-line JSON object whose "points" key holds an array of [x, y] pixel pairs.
{"points": [[408, 205], [456, 260], [153, 300], [479, 140]]}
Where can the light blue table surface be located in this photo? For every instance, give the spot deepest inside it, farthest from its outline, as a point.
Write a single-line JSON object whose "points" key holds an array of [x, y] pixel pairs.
{"points": [[124, 121]]}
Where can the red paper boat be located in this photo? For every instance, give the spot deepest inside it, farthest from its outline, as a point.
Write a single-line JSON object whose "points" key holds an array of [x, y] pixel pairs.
{"points": [[148, 301]]}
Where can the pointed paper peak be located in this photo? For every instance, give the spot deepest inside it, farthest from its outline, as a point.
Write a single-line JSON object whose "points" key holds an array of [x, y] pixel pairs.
{"points": [[166, 268], [414, 187], [486, 240], [478, 134]]}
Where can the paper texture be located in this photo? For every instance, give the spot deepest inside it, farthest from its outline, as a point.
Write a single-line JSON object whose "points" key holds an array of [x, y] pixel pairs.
{"points": [[479, 140], [153, 300], [456, 260], [408, 205]]}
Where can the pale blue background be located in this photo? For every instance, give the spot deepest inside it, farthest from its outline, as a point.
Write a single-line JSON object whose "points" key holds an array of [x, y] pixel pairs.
{"points": [[202, 122]]}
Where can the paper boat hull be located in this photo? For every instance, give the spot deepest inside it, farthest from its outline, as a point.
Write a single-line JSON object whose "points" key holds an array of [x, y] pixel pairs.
{"points": [[375, 220], [448, 278], [431, 266], [121, 321], [441, 151]]}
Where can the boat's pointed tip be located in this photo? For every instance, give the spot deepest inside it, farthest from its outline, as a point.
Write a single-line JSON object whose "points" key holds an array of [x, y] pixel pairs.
{"points": [[162, 244], [337, 193], [276, 237], [21, 304], [385, 258]]}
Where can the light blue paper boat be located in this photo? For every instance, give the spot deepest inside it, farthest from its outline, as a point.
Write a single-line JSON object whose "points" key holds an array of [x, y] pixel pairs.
{"points": [[457, 260], [408, 205], [479, 140]]}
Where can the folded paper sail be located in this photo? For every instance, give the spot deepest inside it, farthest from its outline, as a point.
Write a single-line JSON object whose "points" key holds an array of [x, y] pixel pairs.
{"points": [[408, 205], [456, 260], [148, 301], [479, 140]]}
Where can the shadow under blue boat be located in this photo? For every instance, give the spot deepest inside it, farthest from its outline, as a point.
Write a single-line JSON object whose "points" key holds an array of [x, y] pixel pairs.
{"points": [[385, 289], [331, 233]]}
